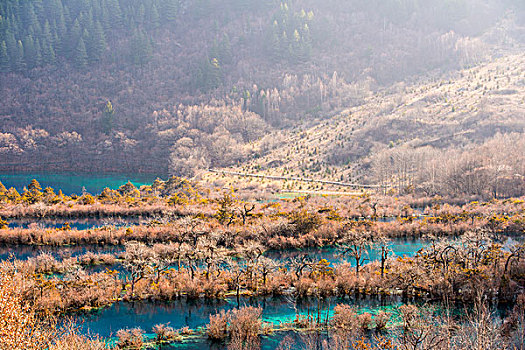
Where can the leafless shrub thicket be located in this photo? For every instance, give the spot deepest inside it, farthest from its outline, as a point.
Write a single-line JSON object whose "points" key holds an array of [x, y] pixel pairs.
{"points": [[493, 169]]}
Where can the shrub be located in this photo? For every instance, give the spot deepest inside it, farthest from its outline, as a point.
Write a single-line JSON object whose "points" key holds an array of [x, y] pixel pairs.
{"points": [[86, 199], [303, 287], [3, 224], [344, 318], [20, 328], [304, 222], [217, 329], [364, 321], [192, 289], [301, 321], [213, 289], [45, 263], [164, 333], [74, 341], [186, 331], [130, 339], [381, 320], [245, 327]]}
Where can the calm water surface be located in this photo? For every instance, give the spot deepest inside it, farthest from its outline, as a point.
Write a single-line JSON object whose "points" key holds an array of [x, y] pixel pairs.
{"points": [[400, 247], [21, 252], [195, 314], [74, 223], [71, 183]]}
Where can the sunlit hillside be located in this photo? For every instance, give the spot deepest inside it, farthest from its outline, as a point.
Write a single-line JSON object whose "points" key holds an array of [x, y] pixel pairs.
{"points": [[159, 86], [408, 126]]}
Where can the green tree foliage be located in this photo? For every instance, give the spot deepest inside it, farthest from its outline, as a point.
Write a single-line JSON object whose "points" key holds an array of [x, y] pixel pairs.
{"points": [[32, 54], [33, 192], [288, 36], [222, 50], [73, 39], [96, 43], [81, 57], [226, 214], [114, 12], [47, 45], [28, 16], [208, 75], [108, 118], [154, 17], [169, 10], [4, 59], [48, 54], [15, 52], [50, 30], [18, 61], [38, 33], [201, 8], [140, 48]]}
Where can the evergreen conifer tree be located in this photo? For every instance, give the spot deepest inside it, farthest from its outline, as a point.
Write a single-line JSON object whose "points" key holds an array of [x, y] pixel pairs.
{"points": [[28, 14], [52, 9], [97, 43], [10, 42], [154, 17], [38, 53], [140, 48], [29, 52], [170, 10], [73, 40], [46, 34], [4, 59], [225, 50], [141, 15], [108, 118], [48, 54], [114, 13], [81, 57], [215, 74], [18, 58]]}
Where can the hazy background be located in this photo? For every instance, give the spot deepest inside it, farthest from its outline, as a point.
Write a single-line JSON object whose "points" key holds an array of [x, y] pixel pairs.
{"points": [[171, 87]]}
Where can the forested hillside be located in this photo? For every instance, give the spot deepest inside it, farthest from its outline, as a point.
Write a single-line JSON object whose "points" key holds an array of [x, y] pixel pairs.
{"points": [[172, 86], [459, 136]]}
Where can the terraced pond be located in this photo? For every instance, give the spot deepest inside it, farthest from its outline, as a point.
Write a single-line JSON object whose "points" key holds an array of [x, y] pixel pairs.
{"points": [[400, 247], [195, 315], [78, 224], [22, 252]]}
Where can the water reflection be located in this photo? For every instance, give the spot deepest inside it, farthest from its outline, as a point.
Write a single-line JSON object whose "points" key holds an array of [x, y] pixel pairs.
{"points": [[22, 252], [77, 224], [195, 313]]}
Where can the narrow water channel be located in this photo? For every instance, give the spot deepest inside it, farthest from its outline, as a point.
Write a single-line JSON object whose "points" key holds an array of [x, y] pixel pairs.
{"points": [[400, 247]]}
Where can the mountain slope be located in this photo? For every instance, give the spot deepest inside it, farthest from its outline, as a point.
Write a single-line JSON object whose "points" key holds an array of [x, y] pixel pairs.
{"points": [[394, 135], [208, 75]]}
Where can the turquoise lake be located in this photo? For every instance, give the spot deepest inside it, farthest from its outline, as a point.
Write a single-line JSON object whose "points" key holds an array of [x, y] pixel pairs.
{"points": [[71, 183], [399, 247], [195, 315], [184, 313]]}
